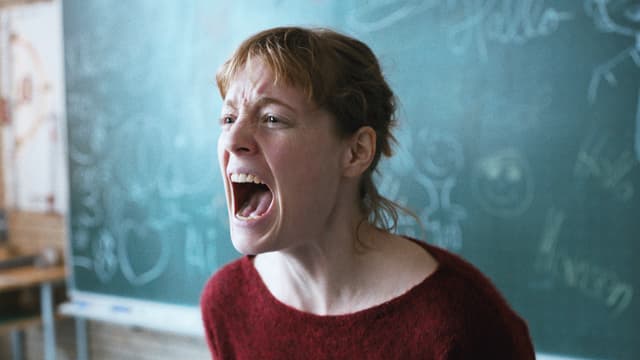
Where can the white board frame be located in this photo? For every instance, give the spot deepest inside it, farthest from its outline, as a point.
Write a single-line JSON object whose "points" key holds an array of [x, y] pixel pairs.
{"points": [[178, 319]]}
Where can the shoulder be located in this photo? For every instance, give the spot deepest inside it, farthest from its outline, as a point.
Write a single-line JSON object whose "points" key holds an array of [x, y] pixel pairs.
{"points": [[221, 293], [477, 316], [224, 283], [458, 276]]}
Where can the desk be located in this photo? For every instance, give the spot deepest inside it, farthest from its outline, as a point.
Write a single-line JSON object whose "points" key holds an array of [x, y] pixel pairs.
{"points": [[29, 276]]}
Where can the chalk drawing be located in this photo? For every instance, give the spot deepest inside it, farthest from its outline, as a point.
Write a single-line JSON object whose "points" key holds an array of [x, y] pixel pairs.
{"points": [[439, 160], [440, 155], [620, 17], [442, 218], [390, 187], [429, 165], [132, 175], [138, 232], [503, 183], [370, 16]]}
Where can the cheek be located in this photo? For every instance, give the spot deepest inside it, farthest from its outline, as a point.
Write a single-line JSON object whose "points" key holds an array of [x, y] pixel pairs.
{"points": [[310, 168], [307, 150]]}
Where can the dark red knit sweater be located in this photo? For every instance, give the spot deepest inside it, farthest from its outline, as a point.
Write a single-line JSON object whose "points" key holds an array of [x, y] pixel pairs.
{"points": [[456, 313]]}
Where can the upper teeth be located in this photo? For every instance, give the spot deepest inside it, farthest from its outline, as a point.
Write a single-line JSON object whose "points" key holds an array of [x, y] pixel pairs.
{"points": [[246, 178]]}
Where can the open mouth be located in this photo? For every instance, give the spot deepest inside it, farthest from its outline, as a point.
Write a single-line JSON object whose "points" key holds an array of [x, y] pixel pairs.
{"points": [[251, 196]]}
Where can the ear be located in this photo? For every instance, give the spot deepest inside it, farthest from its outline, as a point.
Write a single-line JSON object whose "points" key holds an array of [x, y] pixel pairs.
{"points": [[359, 152]]}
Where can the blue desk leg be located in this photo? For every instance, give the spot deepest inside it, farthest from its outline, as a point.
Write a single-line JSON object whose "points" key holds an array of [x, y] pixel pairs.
{"points": [[17, 341], [48, 325], [82, 352]]}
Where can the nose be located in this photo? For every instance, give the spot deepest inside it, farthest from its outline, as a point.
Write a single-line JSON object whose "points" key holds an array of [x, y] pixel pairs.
{"points": [[238, 138]]}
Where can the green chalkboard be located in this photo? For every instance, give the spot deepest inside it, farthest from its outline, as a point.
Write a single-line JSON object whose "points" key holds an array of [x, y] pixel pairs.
{"points": [[519, 146]]}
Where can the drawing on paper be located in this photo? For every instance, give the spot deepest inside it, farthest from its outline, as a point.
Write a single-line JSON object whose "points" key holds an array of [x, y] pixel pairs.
{"points": [[32, 121]]}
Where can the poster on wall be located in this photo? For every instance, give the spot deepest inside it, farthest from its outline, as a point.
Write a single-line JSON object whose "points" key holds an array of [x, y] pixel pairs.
{"points": [[32, 90]]}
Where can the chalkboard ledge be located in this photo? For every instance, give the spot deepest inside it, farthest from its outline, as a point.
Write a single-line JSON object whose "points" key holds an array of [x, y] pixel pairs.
{"points": [[542, 356], [177, 319]]}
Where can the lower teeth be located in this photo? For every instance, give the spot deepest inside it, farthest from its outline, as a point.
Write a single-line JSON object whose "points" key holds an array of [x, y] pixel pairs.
{"points": [[250, 217]]}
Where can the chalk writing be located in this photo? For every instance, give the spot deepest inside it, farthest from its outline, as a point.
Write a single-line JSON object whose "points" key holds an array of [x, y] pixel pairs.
{"points": [[200, 253], [105, 256], [507, 22], [589, 279], [595, 162], [549, 242], [594, 281]]}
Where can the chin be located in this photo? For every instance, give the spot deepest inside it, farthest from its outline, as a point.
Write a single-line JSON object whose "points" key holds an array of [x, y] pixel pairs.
{"points": [[243, 243], [249, 245]]}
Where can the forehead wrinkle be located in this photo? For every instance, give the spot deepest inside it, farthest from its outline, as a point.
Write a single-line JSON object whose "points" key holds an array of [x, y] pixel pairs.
{"points": [[254, 87], [260, 96], [241, 95]]}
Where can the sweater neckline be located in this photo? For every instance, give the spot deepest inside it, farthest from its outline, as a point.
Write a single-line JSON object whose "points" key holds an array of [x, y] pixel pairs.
{"points": [[378, 309]]}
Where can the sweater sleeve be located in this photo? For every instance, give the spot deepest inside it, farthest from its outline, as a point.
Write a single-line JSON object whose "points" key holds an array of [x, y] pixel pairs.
{"points": [[491, 331], [523, 344], [482, 324], [494, 343]]}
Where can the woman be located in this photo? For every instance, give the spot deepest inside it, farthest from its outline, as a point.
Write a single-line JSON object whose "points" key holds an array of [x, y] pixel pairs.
{"points": [[306, 117]]}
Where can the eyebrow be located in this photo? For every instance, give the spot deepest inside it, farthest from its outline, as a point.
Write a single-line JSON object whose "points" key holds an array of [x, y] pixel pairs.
{"points": [[270, 100], [229, 103], [262, 101]]}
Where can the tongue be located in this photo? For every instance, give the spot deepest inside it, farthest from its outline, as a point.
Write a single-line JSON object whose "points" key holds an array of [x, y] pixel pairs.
{"points": [[257, 204]]}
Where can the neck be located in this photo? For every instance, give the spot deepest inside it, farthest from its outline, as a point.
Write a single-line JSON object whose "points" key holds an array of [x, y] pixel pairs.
{"points": [[326, 275]]}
